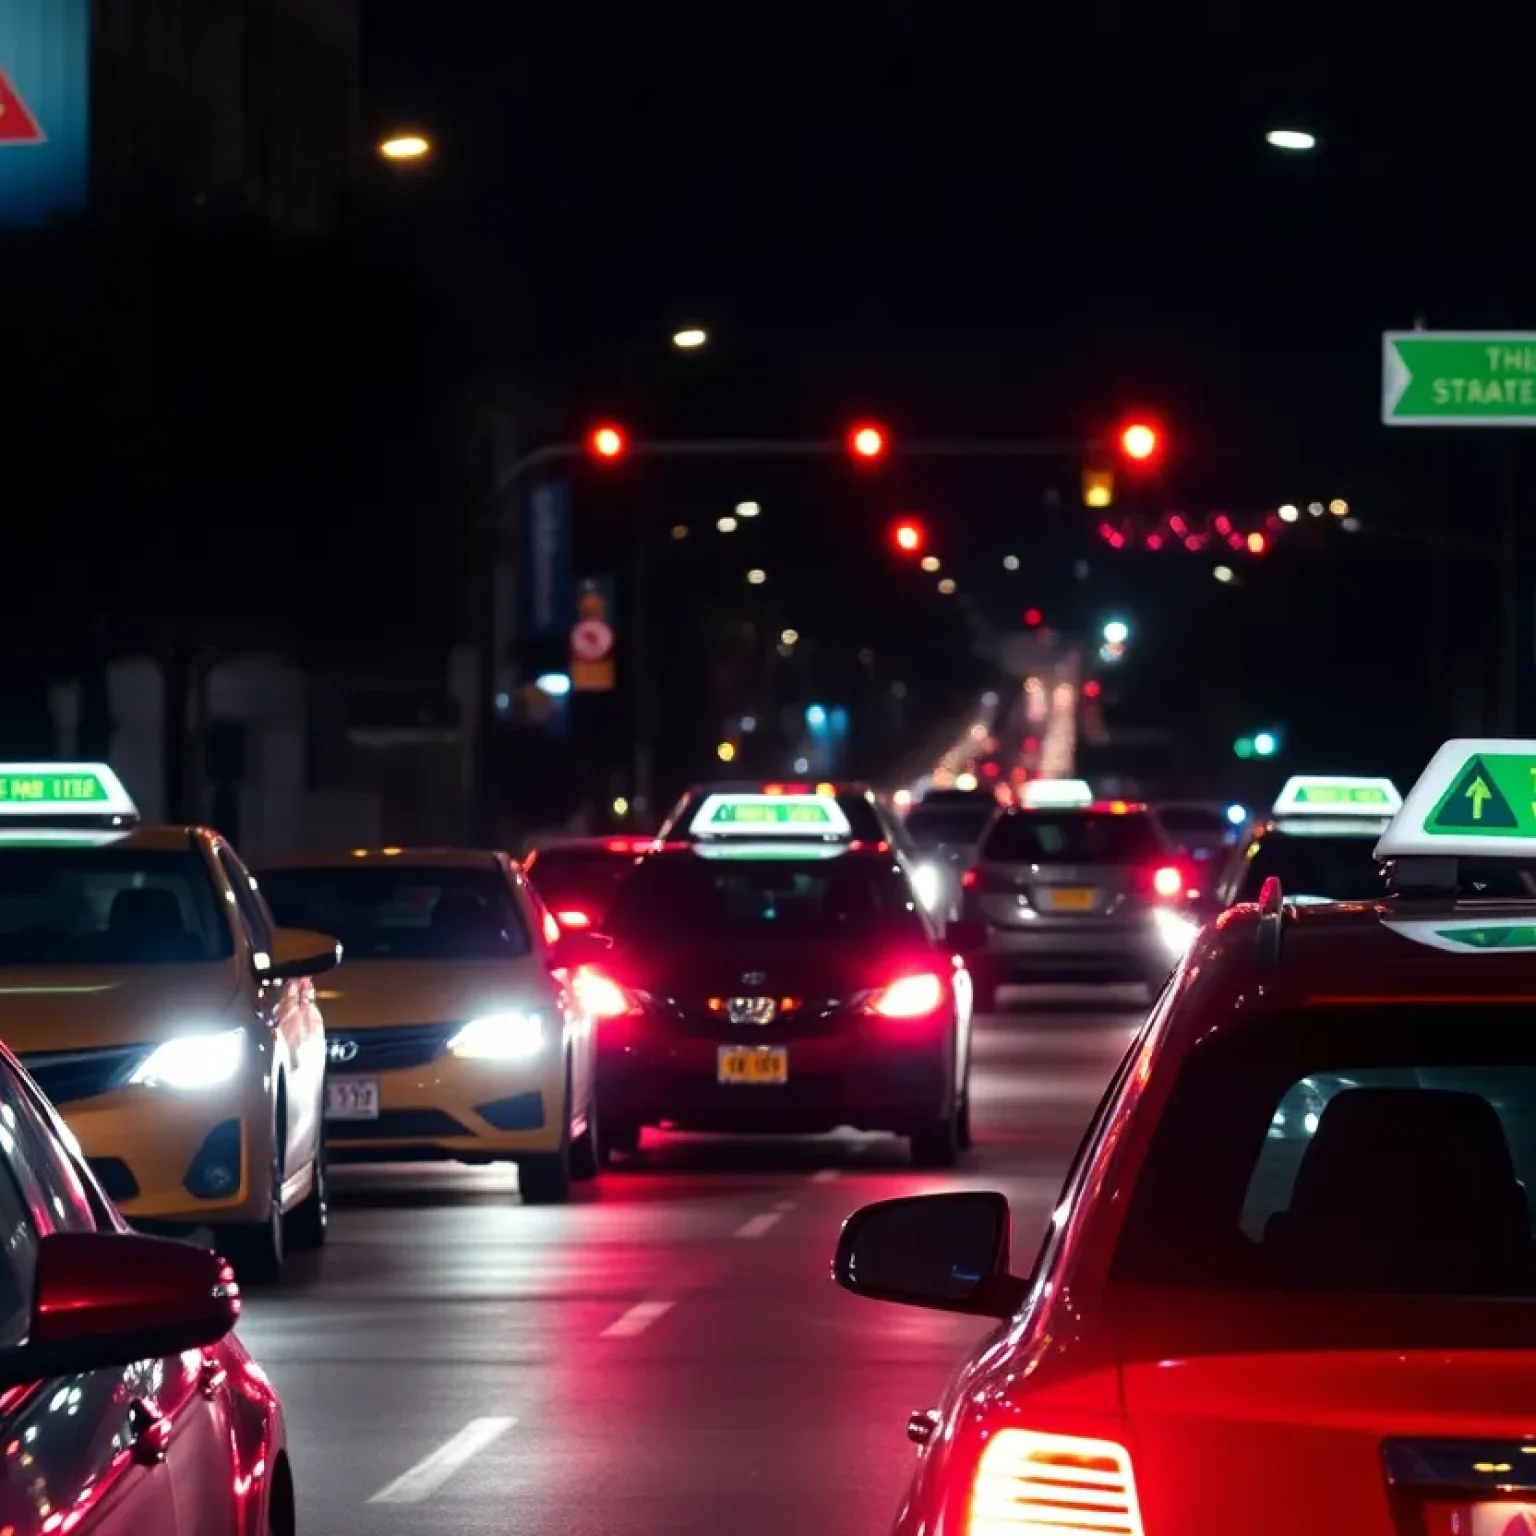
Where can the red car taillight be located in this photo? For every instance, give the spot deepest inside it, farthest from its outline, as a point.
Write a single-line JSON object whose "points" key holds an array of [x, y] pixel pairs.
{"points": [[1168, 882], [1029, 1483], [573, 917], [910, 997], [601, 996], [969, 880]]}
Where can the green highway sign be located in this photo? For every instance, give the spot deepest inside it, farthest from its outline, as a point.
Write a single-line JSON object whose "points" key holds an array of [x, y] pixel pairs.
{"points": [[43, 789], [1458, 378], [1508, 936], [1493, 795]]}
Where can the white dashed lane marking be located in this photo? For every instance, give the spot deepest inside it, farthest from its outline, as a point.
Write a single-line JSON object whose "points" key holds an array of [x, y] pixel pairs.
{"points": [[431, 1472], [637, 1319], [756, 1226]]}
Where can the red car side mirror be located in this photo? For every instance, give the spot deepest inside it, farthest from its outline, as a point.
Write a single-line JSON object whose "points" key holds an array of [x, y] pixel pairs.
{"points": [[103, 1299]]}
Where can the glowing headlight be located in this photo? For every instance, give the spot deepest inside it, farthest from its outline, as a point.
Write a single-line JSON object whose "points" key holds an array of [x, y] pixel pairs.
{"points": [[1177, 931], [500, 1037], [193, 1061], [928, 882]]}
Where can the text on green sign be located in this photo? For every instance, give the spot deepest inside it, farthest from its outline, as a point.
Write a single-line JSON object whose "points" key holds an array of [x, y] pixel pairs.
{"points": [[771, 815], [51, 789], [1342, 794]]}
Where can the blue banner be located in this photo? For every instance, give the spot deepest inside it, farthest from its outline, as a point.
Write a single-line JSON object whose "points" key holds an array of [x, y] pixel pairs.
{"points": [[45, 111], [548, 592]]}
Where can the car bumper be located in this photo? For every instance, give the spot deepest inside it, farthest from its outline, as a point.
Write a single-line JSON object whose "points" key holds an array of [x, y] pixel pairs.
{"points": [[1089, 952], [171, 1157], [454, 1109], [884, 1085]]}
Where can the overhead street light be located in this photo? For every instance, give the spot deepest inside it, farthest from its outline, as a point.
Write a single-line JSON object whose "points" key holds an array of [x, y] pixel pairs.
{"points": [[689, 338], [1294, 140], [1116, 632]]}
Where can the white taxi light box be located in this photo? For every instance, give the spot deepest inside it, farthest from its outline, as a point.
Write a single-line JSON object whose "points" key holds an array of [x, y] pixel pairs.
{"points": [[1055, 794], [1322, 794], [1469, 938], [760, 816], [1476, 800], [62, 789]]}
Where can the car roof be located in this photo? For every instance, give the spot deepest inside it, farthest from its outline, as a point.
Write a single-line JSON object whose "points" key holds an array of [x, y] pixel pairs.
{"points": [[620, 846], [817, 850], [396, 858], [787, 786], [1346, 954], [148, 837]]}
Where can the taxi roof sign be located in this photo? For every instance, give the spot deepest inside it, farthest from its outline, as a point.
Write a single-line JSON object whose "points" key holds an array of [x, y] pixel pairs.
{"points": [[1476, 799], [53, 790], [762, 815], [1334, 794], [1055, 794], [1477, 936]]}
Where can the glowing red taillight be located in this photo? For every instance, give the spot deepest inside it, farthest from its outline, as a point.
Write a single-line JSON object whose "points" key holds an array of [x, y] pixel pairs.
{"points": [[573, 917], [911, 997], [969, 880], [601, 996], [1168, 881], [1028, 1482]]}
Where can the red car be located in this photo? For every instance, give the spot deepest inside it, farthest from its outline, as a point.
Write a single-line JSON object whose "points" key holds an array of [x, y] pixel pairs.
{"points": [[577, 876], [127, 1405], [766, 979], [1290, 1284]]}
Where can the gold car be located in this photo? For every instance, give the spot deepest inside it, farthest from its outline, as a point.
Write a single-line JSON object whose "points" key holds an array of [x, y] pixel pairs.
{"points": [[147, 990], [453, 1031]]}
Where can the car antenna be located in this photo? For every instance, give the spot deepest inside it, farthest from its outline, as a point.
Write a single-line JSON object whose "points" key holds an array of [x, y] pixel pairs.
{"points": [[1271, 922]]}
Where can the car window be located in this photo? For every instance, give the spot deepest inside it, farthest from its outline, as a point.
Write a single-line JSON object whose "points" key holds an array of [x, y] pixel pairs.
{"points": [[1072, 837], [1339, 868], [253, 910], [954, 826], [46, 1170], [829, 898], [18, 1255], [403, 912], [585, 877], [1378, 1149], [112, 905]]}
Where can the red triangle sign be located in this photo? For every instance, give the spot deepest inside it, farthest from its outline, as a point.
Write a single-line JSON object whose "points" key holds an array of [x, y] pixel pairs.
{"points": [[17, 124]]}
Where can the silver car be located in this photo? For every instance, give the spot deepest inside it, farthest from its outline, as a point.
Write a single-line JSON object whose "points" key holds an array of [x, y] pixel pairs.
{"points": [[1084, 894]]}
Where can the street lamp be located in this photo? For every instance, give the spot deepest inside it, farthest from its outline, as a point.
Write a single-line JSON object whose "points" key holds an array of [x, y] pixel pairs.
{"points": [[689, 338], [1116, 632], [1294, 140], [405, 146], [747, 509]]}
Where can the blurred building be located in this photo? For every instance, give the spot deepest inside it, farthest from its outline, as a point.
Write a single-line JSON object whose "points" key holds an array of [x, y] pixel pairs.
{"points": [[244, 104]]}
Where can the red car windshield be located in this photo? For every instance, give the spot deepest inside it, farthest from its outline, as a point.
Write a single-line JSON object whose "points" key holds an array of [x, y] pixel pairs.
{"points": [[1378, 1149]]}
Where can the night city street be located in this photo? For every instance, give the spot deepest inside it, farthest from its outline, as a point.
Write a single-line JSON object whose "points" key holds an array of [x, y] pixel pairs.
{"points": [[667, 1353]]}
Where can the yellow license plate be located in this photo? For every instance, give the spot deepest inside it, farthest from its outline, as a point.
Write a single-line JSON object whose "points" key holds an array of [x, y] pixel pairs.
{"points": [[754, 1064], [1071, 900]]}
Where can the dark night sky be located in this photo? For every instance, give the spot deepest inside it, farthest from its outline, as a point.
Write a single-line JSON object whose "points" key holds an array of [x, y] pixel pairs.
{"points": [[973, 226]]}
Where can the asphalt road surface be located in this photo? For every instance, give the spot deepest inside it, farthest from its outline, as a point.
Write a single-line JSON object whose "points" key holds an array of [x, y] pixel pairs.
{"points": [[667, 1354]]}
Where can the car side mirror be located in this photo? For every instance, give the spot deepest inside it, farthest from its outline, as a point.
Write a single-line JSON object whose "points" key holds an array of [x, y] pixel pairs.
{"points": [[298, 952], [947, 1252], [573, 950], [965, 935], [106, 1299]]}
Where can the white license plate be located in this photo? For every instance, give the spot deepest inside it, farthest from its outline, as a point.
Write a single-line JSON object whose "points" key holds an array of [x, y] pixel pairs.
{"points": [[352, 1098]]}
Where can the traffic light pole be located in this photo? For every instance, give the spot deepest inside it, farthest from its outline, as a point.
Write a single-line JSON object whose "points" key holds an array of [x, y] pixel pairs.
{"points": [[551, 454]]}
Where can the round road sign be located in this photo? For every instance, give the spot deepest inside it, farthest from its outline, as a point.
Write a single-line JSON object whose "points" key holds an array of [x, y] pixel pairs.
{"points": [[591, 640]]}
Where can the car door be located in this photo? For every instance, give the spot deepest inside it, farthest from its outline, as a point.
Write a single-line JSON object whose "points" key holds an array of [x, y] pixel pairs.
{"points": [[290, 1009], [90, 1448]]}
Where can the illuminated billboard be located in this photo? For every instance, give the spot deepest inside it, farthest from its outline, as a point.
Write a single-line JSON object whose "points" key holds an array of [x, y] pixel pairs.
{"points": [[45, 113]]}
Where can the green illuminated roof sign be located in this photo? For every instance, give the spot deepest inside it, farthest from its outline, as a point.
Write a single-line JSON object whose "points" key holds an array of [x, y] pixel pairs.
{"points": [[1472, 937], [771, 815], [54, 789], [1337, 795], [1477, 798]]}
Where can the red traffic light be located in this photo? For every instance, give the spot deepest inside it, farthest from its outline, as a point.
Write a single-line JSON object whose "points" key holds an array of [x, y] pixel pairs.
{"points": [[1139, 441], [866, 441], [1092, 688], [606, 442], [1033, 618], [1257, 543], [907, 536]]}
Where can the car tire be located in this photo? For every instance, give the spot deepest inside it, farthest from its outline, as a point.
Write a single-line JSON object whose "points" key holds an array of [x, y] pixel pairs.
{"points": [[544, 1178], [257, 1249], [309, 1221], [937, 1145]]}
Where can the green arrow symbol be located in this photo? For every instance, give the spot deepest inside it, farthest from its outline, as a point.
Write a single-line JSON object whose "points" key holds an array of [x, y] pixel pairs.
{"points": [[1477, 793]]}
